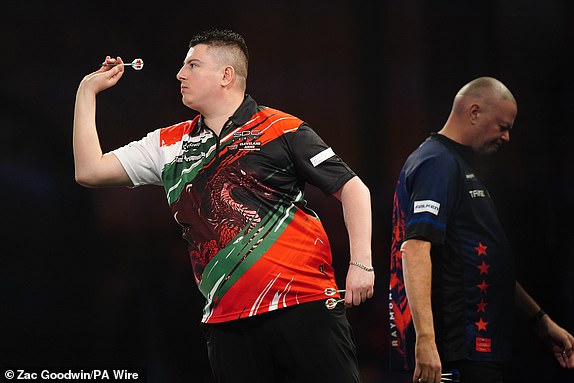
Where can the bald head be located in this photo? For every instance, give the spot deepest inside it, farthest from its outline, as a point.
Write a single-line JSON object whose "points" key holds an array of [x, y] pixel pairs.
{"points": [[487, 90]]}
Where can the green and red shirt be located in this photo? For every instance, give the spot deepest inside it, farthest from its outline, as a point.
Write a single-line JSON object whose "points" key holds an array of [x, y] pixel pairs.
{"points": [[254, 245]]}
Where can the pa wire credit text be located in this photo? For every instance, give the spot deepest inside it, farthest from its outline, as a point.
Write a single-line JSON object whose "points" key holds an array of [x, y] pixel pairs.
{"points": [[108, 375]]}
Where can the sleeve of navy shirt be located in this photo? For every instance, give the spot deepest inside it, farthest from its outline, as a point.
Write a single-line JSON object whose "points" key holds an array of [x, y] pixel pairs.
{"points": [[316, 162], [431, 184]]}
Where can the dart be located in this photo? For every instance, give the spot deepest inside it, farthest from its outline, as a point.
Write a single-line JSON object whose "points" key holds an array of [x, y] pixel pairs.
{"points": [[329, 291], [137, 64], [331, 303]]}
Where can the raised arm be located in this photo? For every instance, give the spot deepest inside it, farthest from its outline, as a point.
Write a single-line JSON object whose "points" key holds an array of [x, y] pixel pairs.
{"points": [[356, 201], [92, 167]]}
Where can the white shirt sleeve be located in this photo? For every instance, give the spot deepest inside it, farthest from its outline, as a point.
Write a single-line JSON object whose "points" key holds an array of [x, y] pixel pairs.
{"points": [[142, 160]]}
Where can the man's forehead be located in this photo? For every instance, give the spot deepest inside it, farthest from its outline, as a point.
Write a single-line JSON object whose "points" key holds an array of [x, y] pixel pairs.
{"points": [[196, 51], [189, 53]]}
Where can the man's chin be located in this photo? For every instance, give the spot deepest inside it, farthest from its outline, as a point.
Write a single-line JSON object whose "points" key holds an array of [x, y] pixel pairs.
{"points": [[490, 149], [187, 102]]}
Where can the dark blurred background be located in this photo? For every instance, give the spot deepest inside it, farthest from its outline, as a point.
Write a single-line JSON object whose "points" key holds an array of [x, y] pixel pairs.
{"points": [[100, 278]]}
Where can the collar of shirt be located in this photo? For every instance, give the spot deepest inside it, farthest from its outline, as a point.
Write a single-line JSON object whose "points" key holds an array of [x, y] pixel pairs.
{"points": [[464, 151], [245, 111]]}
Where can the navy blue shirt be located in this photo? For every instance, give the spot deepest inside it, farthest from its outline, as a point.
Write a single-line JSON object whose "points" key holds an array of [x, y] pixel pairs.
{"points": [[440, 198]]}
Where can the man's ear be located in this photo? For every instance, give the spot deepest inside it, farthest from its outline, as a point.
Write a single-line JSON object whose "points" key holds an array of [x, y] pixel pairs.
{"points": [[474, 113], [228, 75]]}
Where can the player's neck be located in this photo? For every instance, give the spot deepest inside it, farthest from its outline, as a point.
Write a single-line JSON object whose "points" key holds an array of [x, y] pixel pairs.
{"points": [[455, 132], [218, 117]]}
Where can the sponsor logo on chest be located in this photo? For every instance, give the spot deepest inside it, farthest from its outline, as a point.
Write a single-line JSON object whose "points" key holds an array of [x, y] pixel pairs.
{"points": [[246, 140], [476, 189], [477, 193]]}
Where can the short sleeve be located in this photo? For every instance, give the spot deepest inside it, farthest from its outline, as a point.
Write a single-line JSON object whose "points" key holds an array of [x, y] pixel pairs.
{"points": [[141, 160], [432, 194], [317, 162]]}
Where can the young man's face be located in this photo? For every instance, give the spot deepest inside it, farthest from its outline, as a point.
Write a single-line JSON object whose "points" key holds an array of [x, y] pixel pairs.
{"points": [[200, 77]]}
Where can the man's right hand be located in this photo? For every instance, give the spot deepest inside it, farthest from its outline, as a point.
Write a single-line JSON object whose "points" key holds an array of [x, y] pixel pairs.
{"points": [[107, 76], [427, 361]]}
